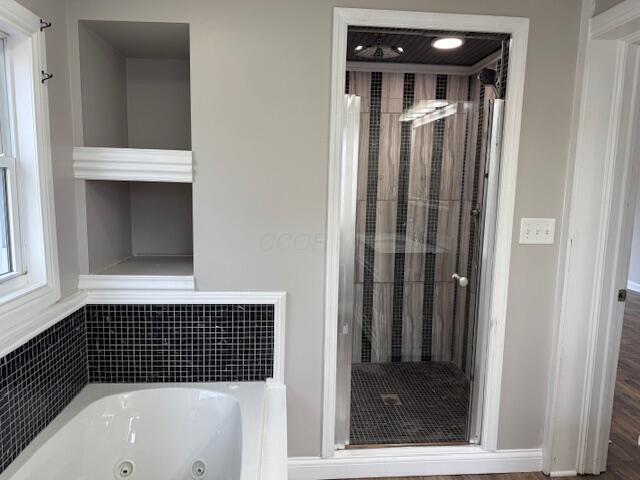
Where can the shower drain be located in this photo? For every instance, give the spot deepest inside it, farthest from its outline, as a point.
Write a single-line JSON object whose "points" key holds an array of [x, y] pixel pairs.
{"points": [[124, 469], [391, 399], [198, 469]]}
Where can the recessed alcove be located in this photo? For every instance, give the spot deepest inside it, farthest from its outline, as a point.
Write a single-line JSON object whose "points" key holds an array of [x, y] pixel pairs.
{"points": [[139, 228]]}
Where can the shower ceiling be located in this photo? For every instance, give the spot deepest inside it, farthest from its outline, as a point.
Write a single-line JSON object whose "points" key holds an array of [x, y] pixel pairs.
{"points": [[417, 47]]}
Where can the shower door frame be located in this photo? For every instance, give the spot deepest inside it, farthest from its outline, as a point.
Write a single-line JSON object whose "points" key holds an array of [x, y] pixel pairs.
{"points": [[481, 458]]}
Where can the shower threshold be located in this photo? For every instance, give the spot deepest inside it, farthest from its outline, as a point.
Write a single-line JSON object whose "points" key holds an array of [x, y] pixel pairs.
{"points": [[365, 446]]}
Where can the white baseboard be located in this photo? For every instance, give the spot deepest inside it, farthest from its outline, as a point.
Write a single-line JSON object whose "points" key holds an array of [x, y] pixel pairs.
{"points": [[564, 473], [633, 286], [470, 461]]}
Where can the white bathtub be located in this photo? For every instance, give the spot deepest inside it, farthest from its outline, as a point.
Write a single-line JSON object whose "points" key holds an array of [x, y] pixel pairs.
{"points": [[214, 431]]}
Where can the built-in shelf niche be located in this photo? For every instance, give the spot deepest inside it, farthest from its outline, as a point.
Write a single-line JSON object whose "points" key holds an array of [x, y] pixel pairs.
{"points": [[135, 155], [142, 229], [135, 85]]}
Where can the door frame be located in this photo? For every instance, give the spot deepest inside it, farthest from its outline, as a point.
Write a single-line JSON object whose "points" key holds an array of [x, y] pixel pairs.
{"points": [[518, 28], [350, 146], [601, 199]]}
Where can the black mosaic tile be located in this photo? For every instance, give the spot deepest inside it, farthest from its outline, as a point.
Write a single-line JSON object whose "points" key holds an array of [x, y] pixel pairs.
{"points": [[38, 380], [401, 220], [180, 343], [433, 213], [375, 106], [410, 402]]}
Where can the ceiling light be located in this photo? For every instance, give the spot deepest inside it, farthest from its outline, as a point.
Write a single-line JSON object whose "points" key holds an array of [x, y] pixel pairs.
{"points": [[359, 47], [447, 43]]}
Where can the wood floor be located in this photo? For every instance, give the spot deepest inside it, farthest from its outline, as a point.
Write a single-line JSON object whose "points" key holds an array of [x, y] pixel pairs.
{"points": [[624, 452]]}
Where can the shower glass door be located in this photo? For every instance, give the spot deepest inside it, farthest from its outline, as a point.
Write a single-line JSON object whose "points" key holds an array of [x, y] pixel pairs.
{"points": [[409, 316]]}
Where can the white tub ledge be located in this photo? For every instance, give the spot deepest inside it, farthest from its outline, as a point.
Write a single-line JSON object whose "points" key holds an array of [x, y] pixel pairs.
{"points": [[237, 430], [273, 464]]}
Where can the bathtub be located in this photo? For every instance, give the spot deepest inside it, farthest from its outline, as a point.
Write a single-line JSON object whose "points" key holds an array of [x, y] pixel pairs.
{"points": [[214, 431]]}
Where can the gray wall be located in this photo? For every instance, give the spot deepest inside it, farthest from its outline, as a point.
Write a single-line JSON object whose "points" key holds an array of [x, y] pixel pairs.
{"points": [[161, 219], [158, 103], [104, 90], [108, 223], [61, 138], [260, 144], [602, 5], [634, 266]]}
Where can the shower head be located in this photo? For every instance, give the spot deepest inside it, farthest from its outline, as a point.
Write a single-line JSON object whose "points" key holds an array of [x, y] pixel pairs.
{"points": [[488, 78], [378, 51]]}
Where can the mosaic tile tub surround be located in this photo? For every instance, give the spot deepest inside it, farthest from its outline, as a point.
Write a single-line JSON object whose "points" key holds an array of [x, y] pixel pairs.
{"points": [[38, 380], [179, 343], [128, 343]]}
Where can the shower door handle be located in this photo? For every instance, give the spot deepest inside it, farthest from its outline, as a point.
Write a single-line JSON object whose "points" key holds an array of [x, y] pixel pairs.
{"points": [[462, 281]]}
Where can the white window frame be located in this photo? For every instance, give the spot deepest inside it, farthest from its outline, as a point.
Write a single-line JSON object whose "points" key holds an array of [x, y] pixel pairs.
{"points": [[13, 213], [8, 163], [34, 285]]}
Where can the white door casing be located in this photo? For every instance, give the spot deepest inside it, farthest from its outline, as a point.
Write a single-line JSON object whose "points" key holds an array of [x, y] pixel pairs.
{"points": [[601, 210], [518, 29]]}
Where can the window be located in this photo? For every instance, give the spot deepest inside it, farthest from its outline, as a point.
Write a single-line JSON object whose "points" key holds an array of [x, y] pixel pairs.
{"points": [[28, 255], [9, 261], [10, 248]]}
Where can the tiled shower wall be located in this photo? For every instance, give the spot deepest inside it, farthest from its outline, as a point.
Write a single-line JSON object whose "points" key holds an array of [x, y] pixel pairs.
{"points": [[414, 226], [128, 343]]}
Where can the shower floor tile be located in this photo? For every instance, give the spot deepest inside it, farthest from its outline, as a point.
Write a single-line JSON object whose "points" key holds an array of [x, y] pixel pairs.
{"points": [[399, 403]]}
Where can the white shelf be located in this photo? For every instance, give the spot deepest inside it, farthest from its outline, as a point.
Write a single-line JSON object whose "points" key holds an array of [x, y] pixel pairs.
{"points": [[143, 273], [174, 265], [132, 164]]}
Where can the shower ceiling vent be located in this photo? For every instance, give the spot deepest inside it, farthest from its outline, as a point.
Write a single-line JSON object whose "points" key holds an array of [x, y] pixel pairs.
{"points": [[378, 51]]}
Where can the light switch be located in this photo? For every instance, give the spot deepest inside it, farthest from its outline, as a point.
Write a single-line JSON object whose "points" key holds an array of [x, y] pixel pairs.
{"points": [[537, 231]]}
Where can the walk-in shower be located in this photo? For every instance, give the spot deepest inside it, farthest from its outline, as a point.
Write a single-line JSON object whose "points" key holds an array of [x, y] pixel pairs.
{"points": [[422, 127]]}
